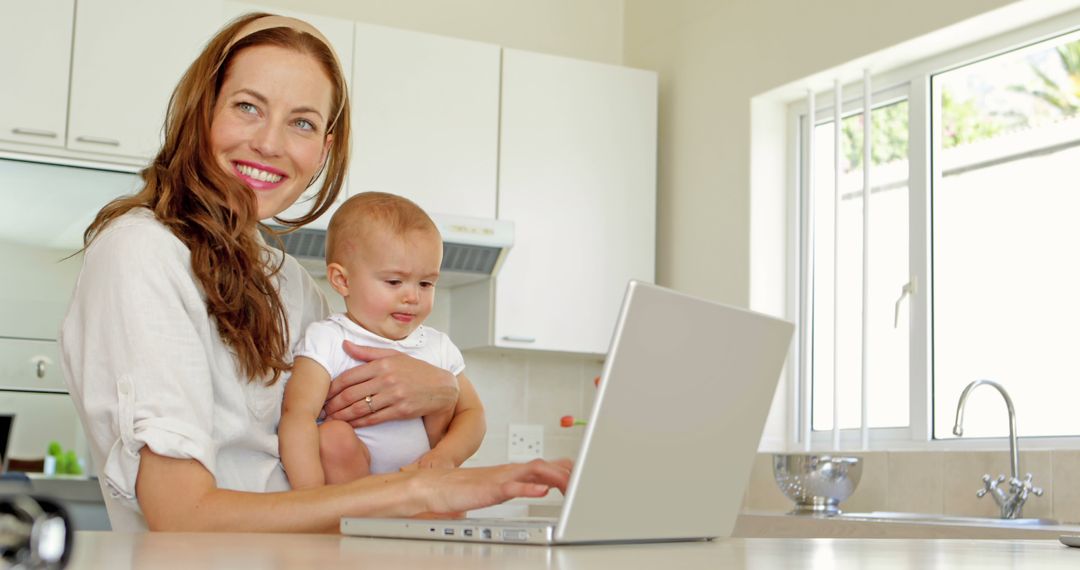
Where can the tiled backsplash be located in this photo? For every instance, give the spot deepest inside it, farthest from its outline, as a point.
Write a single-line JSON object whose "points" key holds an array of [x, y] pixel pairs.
{"points": [[531, 388], [940, 483]]}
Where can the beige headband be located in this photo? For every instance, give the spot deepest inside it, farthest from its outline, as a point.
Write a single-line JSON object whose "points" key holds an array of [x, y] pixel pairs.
{"points": [[267, 22]]}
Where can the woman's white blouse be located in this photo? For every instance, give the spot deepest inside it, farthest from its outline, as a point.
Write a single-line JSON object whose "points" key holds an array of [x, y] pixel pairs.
{"points": [[145, 366]]}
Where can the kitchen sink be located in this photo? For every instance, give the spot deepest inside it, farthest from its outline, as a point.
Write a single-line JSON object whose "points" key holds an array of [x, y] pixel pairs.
{"points": [[948, 519]]}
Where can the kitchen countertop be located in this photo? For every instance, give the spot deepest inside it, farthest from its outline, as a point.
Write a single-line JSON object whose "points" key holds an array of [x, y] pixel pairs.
{"points": [[120, 551], [752, 524]]}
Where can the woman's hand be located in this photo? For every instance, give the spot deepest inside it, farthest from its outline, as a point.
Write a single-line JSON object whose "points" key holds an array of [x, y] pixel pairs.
{"points": [[399, 386], [458, 490]]}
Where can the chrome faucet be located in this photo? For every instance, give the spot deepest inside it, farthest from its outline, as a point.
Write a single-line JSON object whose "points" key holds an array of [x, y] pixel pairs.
{"points": [[1011, 502]]}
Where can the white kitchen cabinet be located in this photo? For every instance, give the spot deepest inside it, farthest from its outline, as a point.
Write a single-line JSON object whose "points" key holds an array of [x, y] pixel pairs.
{"points": [[340, 34], [128, 56], [577, 176], [426, 119], [35, 55], [30, 365]]}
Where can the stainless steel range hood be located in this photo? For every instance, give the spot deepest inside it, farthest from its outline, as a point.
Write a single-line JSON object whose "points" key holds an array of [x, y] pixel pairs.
{"points": [[473, 248]]}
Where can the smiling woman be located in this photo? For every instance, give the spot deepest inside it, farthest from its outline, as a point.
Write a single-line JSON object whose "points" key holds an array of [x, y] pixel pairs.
{"points": [[270, 125], [184, 323]]}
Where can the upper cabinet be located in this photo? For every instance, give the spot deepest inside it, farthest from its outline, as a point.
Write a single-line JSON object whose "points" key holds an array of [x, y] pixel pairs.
{"points": [[127, 58], [426, 119], [35, 56], [577, 175]]}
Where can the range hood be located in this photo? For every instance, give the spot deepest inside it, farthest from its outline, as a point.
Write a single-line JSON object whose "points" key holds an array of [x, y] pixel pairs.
{"points": [[473, 248]]}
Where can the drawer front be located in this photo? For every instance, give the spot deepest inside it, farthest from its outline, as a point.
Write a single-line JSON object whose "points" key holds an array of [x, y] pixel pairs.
{"points": [[30, 365]]}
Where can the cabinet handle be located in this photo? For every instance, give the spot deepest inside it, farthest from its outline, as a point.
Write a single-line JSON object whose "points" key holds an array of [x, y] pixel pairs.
{"points": [[41, 369], [98, 140], [34, 132], [519, 339]]}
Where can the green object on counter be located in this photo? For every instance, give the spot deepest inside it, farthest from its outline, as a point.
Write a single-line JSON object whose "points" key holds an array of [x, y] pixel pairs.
{"points": [[61, 464], [71, 462], [67, 463]]}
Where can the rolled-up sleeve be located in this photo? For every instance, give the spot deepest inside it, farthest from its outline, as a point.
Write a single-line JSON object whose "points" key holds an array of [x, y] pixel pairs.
{"points": [[136, 343]]}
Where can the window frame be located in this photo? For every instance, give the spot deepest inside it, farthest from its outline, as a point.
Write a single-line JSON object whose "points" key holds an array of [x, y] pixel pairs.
{"points": [[913, 82]]}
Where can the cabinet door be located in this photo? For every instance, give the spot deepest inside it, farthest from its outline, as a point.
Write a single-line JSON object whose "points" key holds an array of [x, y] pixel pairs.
{"points": [[30, 365], [340, 34], [35, 56], [425, 119], [577, 175], [128, 57]]}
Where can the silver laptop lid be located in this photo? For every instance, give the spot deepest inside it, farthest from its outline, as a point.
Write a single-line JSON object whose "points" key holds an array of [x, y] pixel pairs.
{"points": [[683, 399]]}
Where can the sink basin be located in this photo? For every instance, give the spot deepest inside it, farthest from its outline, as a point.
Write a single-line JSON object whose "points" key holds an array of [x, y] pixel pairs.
{"points": [[947, 519]]}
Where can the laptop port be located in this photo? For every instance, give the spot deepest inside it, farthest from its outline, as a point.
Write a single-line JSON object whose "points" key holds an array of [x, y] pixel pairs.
{"points": [[515, 535], [448, 531], [485, 533], [467, 532]]}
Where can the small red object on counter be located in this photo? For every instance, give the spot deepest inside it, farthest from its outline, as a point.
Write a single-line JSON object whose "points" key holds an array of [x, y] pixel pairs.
{"points": [[569, 421]]}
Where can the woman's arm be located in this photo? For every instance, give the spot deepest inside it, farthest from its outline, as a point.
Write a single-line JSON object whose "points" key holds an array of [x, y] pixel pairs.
{"points": [[298, 434], [401, 387], [453, 444], [181, 495]]}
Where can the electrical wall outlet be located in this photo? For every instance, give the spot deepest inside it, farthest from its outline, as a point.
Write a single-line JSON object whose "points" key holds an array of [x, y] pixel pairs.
{"points": [[526, 442]]}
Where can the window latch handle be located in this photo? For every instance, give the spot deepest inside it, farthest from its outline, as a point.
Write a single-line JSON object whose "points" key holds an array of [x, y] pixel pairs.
{"points": [[909, 288]]}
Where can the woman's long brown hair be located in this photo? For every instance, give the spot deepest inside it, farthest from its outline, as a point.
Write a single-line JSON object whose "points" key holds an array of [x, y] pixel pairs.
{"points": [[215, 215]]}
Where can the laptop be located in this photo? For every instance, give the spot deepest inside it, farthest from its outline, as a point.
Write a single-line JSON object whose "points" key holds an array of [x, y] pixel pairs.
{"points": [[671, 439]]}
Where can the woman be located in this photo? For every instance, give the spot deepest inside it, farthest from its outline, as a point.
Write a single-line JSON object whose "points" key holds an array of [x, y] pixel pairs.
{"points": [[183, 322]]}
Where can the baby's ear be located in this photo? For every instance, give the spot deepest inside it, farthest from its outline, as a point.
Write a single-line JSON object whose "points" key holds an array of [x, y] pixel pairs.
{"points": [[338, 278]]}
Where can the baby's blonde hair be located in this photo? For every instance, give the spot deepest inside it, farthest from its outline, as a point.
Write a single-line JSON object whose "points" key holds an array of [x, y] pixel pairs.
{"points": [[368, 212]]}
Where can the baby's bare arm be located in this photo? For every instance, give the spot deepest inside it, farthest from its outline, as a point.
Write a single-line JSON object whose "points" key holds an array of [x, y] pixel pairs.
{"points": [[457, 440], [298, 434]]}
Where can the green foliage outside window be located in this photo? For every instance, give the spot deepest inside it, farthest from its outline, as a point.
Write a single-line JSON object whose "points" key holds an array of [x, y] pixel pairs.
{"points": [[968, 120]]}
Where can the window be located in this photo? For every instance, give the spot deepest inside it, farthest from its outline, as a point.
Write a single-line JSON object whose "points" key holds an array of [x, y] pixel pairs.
{"points": [[1006, 242], [974, 254], [837, 327]]}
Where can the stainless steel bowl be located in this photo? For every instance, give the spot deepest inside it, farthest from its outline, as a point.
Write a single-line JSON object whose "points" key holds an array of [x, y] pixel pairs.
{"points": [[817, 483]]}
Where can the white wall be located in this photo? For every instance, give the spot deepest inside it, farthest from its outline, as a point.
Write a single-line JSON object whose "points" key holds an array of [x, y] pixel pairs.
{"points": [[591, 29]]}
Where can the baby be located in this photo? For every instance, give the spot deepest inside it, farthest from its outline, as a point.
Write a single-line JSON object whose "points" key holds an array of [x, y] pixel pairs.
{"points": [[383, 256]]}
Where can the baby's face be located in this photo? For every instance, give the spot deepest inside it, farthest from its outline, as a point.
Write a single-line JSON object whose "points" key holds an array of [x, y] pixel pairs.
{"points": [[392, 281]]}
